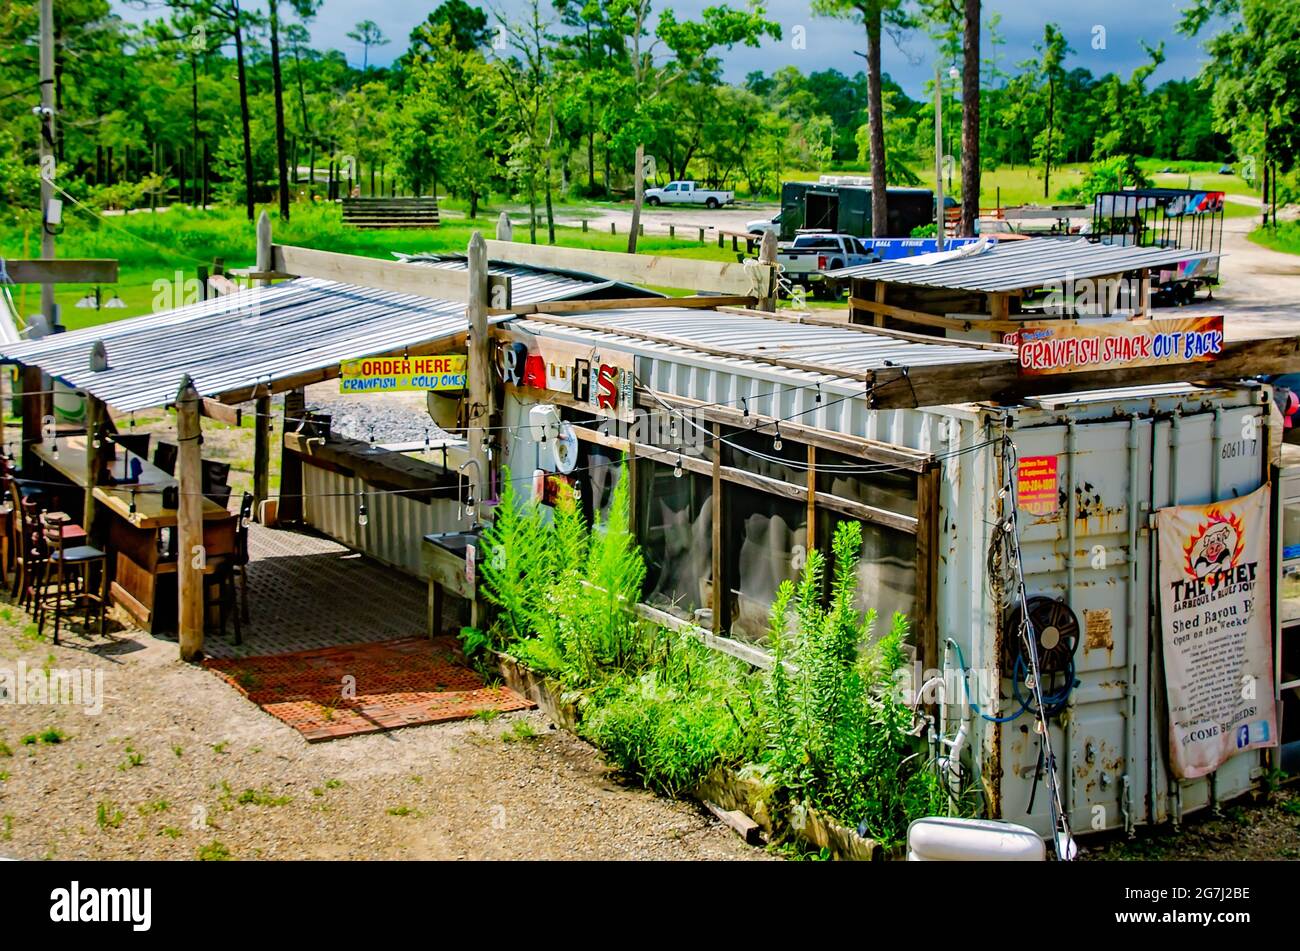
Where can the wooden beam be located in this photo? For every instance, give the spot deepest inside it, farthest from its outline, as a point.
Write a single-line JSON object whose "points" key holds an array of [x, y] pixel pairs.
{"points": [[644, 269], [705, 301], [1002, 381], [934, 320], [767, 258], [381, 468], [479, 415], [63, 271], [815, 321], [95, 421], [398, 276], [296, 381], [291, 507], [221, 412], [854, 446], [812, 498], [189, 521], [927, 569]]}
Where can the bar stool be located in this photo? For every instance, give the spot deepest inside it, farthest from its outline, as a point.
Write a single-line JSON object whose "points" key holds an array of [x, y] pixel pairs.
{"points": [[69, 567]]}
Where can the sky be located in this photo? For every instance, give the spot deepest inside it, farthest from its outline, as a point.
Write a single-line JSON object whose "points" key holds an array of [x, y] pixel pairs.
{"points": [[1106, 35]]}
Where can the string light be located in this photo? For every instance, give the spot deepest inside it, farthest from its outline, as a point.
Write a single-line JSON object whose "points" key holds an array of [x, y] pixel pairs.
{"points": [[362, 518], [677, 470], [776, 441], [97, 442]]}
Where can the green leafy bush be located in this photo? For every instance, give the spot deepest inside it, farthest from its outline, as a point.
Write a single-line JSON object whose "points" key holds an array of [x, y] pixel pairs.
{"points": [[688, 712], [838, 735]]}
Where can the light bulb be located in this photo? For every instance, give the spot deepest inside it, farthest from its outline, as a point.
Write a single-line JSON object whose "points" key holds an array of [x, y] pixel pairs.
{"points": [[776, 444], [363, 519], [677, 470]]}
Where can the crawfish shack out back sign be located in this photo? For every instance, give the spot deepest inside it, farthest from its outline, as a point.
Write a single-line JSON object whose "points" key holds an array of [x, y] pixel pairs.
{"points": [[1069, 346], [403, 374]]}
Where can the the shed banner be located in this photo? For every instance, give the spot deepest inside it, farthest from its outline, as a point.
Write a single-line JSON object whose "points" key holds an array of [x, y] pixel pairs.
{"points": [[1216, 612], [404, 374], [1070, 346]]}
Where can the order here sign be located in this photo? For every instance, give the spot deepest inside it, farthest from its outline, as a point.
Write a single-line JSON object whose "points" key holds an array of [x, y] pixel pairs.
{"points": [[404, 374]]}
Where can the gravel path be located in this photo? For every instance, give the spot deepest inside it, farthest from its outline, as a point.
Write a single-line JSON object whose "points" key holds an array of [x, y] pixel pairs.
{"points": [[178, 762]]}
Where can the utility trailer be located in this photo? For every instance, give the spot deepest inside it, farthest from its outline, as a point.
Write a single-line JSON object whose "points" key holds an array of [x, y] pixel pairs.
{"points": [[1166, 218], [842, 204]]}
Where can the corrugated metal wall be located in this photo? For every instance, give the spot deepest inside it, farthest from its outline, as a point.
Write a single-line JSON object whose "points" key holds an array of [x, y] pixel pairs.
{"points": [[396, 525]]}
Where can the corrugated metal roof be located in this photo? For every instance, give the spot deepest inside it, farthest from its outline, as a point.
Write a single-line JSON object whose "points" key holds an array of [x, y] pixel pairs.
{"points": [[749, 341], [1019, 265], [543, 283], [252, 336]]}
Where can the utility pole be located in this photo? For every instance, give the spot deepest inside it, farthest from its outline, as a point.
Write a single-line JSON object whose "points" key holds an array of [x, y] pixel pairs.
{"points": [[938, 160], [45, 114]]}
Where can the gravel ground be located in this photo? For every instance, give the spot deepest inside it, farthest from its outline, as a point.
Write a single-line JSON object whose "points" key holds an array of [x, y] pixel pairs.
{"points": [[387, 417], [178, 765]]}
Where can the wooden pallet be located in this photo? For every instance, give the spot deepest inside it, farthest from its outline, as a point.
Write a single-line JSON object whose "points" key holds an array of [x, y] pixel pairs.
{"points": [[391, 212]]}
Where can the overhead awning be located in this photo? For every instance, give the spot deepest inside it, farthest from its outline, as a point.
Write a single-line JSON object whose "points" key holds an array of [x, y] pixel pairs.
{"points": [[1020, 265]]}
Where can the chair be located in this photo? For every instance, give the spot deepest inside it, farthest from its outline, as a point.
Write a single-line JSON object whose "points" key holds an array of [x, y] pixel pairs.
{"points": [[164, 457], [215, 474], [241, 551], [69, 569], [137, 444], [219, 494]]}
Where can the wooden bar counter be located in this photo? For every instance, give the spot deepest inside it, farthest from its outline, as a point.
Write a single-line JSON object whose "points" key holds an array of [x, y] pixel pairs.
{"points": [[141, 532]]}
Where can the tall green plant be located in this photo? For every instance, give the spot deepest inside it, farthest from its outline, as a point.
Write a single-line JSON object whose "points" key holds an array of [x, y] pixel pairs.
{"points": [[838, 735], [515, 566]]}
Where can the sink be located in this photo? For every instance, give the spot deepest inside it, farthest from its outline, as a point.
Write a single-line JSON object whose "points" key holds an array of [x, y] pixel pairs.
{"points": [[443, 556]]}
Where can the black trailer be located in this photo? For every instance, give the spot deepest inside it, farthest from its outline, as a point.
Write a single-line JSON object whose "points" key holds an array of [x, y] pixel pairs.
{"points": [[843, 205], [1166, 218]]}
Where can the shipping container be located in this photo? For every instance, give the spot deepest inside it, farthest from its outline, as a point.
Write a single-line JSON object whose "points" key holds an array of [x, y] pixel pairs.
{"points": [[1115, 458]]}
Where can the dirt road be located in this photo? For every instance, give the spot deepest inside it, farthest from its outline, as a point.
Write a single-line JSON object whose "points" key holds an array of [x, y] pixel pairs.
{"points": [[1260, 293]]}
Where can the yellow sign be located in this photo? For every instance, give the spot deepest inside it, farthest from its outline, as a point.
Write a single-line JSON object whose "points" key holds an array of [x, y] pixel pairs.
{"points": [[404, 374]]}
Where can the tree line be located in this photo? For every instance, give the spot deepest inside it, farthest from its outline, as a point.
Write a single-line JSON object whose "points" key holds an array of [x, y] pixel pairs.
{"points": [[229, 101]]}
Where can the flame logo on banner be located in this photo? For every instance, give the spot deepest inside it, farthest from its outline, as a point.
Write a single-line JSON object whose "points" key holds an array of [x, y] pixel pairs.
{"points": [[1215, 546]]}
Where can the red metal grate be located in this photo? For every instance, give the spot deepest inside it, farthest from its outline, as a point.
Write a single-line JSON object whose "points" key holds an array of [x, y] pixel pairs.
{"points": [[397, 683]]}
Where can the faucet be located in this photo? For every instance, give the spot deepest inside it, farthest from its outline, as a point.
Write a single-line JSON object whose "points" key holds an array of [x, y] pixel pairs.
{"points": [[467, 507]]}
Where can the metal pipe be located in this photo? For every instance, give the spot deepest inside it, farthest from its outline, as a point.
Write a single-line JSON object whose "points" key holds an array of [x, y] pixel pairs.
{"points": [[1071, 540], [1130, 629]]}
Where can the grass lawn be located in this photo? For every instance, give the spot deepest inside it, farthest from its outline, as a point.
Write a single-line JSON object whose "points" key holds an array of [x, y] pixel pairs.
{"points": [[159, 253], [1285, 237]]}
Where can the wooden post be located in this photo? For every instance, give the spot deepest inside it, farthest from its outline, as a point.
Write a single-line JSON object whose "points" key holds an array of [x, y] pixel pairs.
{"points": [[291, 507], [812, 497], [672, 231], [95, 419], [189, 521], [480, 369], [719, 566], [264, 264], [767, 258], [261, 452], [34, 403], [701, 236], [505, 230], [938, 161], [584, 225], [613, 229]]}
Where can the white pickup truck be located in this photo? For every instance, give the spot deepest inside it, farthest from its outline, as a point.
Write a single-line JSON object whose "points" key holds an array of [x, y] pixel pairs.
{"points": [[685, 193], [806, 259]]}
